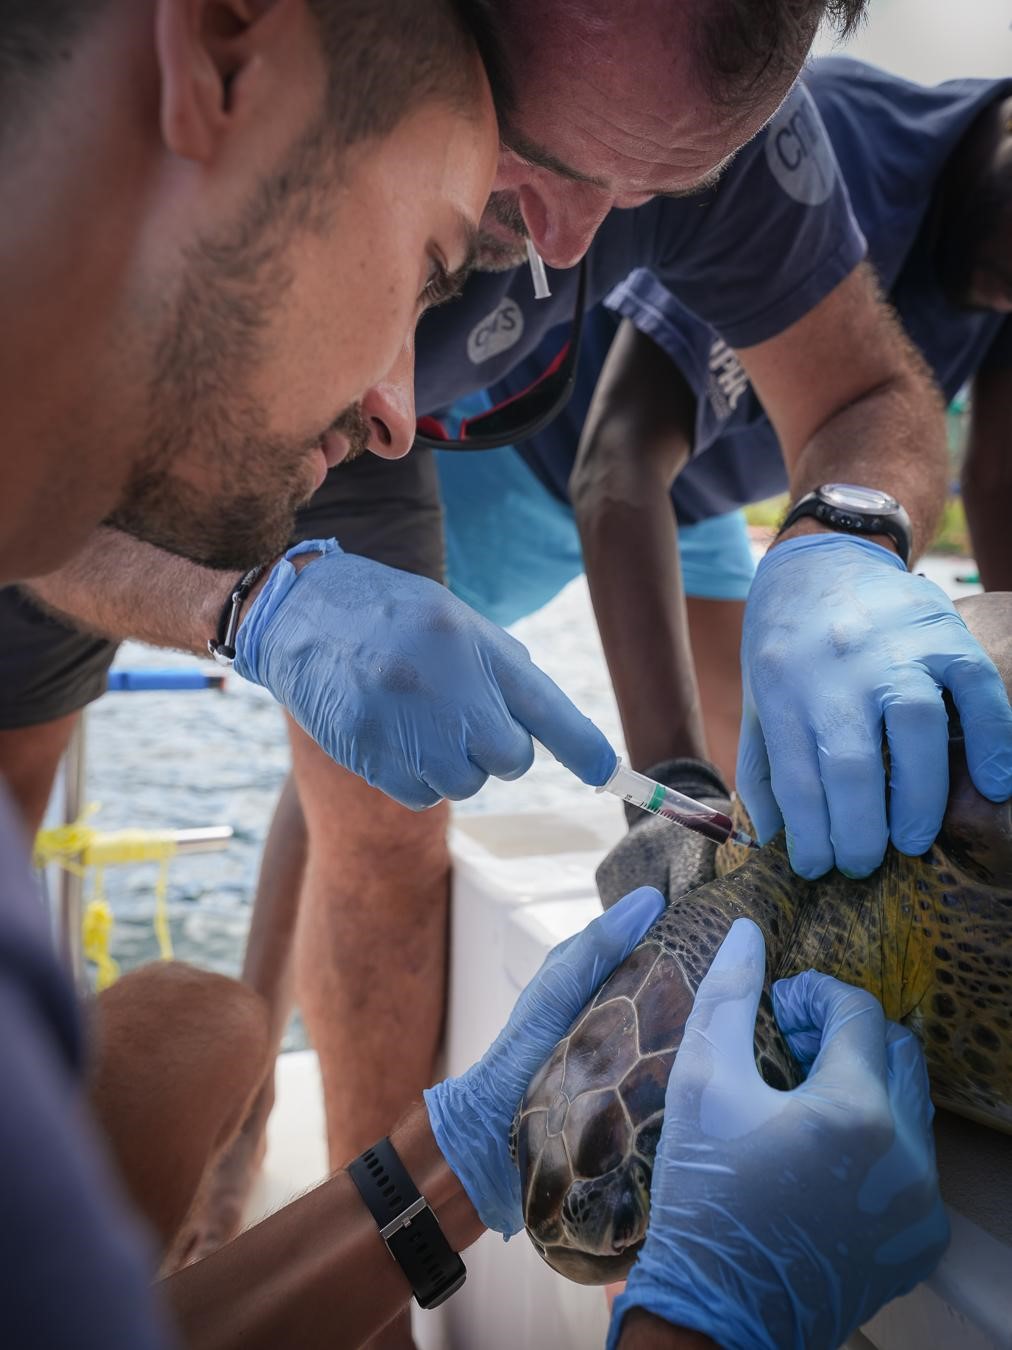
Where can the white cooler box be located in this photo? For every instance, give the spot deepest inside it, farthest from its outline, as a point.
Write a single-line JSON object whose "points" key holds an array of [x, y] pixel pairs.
{"points": [[523, 883]]}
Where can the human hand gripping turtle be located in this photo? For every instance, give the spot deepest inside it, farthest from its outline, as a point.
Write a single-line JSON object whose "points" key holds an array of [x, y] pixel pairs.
{"points": [[842, 648], [855, 1137], [896, 933], [786, 1219]]}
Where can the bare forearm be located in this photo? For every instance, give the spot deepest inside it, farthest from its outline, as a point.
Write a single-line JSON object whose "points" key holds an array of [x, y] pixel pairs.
{"points": [[987, 476], [642, 1331], [316, 1273], [630, 551], [892, 439], [122, 588], [636, 438], [852, 401]]}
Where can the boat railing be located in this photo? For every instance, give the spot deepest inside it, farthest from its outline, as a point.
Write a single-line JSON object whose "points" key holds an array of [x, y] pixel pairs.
{"points": [[75, 850]]}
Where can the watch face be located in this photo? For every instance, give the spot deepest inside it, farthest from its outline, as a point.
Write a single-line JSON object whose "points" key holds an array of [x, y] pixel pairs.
{"points": [[848, 497]]}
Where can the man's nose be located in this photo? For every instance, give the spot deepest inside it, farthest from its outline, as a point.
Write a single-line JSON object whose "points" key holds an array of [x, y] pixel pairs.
{"points": [[389, 407], [562, 217]]}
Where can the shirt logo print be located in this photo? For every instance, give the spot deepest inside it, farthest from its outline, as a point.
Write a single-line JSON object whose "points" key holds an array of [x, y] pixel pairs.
{"points": [[497, 332], [798, 152], [727, 381]]}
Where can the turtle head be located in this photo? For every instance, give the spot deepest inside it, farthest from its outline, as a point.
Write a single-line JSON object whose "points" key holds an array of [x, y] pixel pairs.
{"points": [[977, 833], [604, 1222], [588, 1126]]}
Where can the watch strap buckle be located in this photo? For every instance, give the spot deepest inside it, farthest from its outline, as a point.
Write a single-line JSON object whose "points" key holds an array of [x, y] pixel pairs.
{"points": [[404, 1218]]}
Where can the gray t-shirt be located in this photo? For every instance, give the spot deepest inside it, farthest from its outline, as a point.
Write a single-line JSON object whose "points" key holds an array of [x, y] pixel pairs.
{"points": [[75, 1267]]}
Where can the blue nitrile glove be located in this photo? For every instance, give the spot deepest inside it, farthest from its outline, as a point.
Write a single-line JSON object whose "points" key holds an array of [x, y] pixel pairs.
{"points": [[783, 1220], [402, 683], [471, 1116], [841, 644]]}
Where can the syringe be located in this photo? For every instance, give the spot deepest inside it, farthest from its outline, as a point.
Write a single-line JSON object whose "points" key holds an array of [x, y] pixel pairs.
{"points": [[539, 276], [642, 791]]}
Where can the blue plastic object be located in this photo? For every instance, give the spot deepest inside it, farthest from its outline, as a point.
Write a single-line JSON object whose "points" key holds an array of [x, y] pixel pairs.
{"points": [[125, 681]]}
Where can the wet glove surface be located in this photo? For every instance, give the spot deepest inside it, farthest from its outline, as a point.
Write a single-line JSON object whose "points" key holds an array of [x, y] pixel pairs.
{"points": [[784, 1220], [403, 684], [472, 1115], [657, 852], [842, 646]]}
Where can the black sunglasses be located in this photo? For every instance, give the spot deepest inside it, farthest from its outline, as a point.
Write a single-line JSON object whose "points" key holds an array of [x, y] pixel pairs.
{"points": [[526, 413]]}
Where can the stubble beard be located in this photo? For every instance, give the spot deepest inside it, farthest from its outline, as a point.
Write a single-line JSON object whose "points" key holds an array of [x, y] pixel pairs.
{"points": [[200, 414]]}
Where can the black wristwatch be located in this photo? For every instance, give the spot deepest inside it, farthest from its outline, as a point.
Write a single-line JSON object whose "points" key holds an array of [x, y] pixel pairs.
{"points": [[856, 510], [407, 1225]]}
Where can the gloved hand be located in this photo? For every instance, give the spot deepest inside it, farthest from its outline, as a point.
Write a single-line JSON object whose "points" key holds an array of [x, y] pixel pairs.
{"points": [[657, 853], [783, 1220], [471, 1116], [402, 683], [841, 644]]}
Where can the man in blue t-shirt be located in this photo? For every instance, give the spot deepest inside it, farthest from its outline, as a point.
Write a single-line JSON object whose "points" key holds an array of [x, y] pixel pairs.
{"points": [[929, 171]]}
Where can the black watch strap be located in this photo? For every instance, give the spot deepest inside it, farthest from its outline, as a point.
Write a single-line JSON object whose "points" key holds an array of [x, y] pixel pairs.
{"points": [[222, 646], [407, 1225], [895, 525]]}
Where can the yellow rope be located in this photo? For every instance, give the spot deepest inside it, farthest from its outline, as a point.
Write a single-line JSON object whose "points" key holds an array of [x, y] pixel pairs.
{"points": [[96, 933], [162, 911], [78, 849]]}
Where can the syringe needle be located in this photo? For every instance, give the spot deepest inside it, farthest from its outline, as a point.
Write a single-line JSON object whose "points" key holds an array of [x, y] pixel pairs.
{"points": [[740, 837]]}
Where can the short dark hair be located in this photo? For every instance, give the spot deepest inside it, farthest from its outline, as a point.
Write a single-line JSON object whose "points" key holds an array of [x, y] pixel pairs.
{"points": [[35, 34], [385, 59], [748, 48]]}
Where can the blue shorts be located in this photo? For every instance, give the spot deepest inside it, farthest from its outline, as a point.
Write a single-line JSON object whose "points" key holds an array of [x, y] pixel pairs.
{"points": [[511, 545]]}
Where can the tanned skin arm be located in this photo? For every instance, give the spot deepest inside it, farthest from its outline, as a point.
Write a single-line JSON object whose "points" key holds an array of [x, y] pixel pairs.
{"points": [[987, 476], [852, 401], [122, 588], [636, 439], [316, 1273]]}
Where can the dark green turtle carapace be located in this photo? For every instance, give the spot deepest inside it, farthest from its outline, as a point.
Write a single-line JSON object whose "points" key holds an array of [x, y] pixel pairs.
{"points": [[930, 936]]}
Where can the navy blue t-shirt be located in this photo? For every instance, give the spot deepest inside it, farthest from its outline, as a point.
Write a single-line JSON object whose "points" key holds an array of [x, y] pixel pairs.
{"points": [[750, 256], [892, 140], [74, 1273]]}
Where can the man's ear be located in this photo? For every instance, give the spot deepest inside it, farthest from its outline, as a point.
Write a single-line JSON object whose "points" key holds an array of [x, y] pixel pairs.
{"points": [[211, 63]]}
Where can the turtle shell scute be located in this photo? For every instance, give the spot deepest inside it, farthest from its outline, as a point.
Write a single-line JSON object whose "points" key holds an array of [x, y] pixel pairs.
{"points": [[663, 1006], [628, 979], [598, 1133], [643, 1088], [601, 1049]]}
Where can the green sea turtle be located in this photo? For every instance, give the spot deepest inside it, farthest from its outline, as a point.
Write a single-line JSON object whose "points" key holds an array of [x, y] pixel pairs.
{"points": [[930, 936]]}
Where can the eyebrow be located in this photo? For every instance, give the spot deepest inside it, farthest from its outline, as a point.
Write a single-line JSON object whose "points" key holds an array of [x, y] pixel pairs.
{"points": [[709, 179], [544, 159]]}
